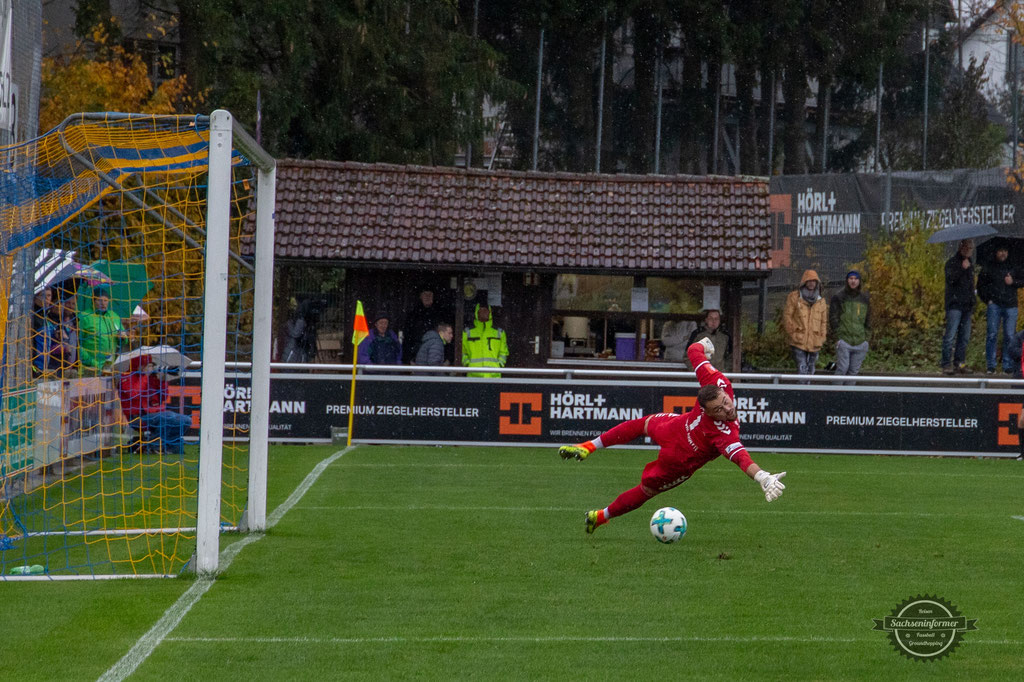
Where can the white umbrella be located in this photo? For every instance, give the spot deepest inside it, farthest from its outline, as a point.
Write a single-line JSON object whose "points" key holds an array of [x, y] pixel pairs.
{"points": [[164, 357]]}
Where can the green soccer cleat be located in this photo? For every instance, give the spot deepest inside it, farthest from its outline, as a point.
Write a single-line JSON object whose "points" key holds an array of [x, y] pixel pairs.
{"points": [[577, 452], [591, 521]]}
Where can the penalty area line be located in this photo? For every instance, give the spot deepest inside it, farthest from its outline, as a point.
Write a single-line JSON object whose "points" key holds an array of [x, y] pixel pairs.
{"points": [[146, 644], [455, 639], [792, 512]]}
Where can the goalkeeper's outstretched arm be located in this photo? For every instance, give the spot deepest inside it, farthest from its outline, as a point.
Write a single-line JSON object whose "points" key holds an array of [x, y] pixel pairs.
{"points": [[699, 354]]}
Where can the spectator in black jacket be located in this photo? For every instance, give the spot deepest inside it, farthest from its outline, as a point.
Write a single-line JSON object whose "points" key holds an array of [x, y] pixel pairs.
{"points": [[960, 302], [997, 289], [422, 318]]}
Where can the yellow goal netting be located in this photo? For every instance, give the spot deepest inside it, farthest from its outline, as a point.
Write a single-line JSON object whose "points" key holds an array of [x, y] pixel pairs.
{"points": [[103, 265]]}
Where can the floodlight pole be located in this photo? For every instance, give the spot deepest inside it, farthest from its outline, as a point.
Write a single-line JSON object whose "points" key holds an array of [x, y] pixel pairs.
{"points": [[878, 118], [536, 109], [927, 61], [600, 94], [211, 419], [657, 117]]}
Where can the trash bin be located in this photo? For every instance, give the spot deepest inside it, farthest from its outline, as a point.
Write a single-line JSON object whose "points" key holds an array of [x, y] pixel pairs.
{"points": [[625, 345]]}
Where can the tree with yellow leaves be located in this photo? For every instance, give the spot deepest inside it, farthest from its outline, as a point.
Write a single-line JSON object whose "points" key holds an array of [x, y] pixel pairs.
{"points": [[111, 79]]}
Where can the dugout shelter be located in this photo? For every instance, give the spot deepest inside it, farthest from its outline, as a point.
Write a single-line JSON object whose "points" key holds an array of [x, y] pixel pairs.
{"points": [[581, 268]]}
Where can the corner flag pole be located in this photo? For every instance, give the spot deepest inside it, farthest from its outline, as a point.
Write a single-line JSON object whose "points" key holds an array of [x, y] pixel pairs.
{"points": [[359, 332]]}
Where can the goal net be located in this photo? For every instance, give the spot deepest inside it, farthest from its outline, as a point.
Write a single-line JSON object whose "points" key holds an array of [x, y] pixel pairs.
{"points": [[120, 243]]}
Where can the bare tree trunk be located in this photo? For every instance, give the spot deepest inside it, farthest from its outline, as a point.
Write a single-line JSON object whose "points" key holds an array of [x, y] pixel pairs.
{"points": [[644, 53], [795, 115], [190, 32], [695, 124], [768, 127], [579, 131], [746, 79], [821, 122]]}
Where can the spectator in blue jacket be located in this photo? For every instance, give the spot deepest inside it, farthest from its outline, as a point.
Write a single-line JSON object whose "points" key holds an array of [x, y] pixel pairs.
{"points": [[382, 346]]}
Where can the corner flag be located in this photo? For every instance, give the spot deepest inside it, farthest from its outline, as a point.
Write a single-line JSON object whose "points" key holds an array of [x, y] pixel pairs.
{"points": [[359, 329], [359, 332]]}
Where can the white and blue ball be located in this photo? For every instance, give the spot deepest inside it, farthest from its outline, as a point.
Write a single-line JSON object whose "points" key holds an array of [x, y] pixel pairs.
{"points": [[668, 525]]}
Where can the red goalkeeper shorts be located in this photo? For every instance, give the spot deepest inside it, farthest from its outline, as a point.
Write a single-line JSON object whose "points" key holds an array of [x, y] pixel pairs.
{"points": [[663, 474]]}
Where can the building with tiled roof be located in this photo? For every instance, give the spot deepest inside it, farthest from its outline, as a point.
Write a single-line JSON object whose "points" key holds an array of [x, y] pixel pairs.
{"points": [[539, 242], [359, 213]]}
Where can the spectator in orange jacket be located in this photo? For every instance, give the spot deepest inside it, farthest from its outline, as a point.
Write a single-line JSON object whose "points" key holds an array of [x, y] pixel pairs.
{"points": [[805, 319]]}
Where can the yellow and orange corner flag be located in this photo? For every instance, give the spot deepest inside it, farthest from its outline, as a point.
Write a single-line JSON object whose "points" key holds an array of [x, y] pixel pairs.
{"points": [[359, 332], [359, 329]]}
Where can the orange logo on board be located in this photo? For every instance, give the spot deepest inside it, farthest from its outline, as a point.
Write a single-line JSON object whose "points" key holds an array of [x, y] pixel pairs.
{"points": [[1007, 433], [193, 394], [520, 414], [680, 404]]}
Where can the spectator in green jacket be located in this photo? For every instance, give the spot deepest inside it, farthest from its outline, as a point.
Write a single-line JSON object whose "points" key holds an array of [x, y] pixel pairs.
{"points": [[483, 344], [848, 317], [99, 333]]}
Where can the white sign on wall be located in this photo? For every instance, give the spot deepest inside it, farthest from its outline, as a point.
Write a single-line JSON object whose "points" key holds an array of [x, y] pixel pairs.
{"points": [[6, 81]]}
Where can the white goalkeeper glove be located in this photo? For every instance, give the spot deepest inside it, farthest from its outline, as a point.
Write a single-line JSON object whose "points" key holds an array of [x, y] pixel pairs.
{"points": [[709, 348], [770, 484]]}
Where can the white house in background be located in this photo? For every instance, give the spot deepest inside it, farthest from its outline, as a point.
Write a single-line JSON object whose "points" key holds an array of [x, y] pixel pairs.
{"points": [[986, 36]]}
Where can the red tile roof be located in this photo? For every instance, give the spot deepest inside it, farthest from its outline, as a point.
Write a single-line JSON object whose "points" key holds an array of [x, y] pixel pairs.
{"points": [[379, 213]]}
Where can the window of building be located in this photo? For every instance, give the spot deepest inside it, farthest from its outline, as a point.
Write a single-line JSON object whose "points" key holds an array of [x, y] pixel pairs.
{"points": [[593, 317]]}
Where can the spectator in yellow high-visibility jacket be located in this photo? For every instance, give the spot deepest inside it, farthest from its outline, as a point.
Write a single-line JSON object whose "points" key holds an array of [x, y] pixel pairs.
{"points": [[483, 344]]}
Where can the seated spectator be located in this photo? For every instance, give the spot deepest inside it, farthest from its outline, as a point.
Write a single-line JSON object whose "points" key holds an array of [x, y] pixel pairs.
{"points": [[99, 333], [382, 346], [143, 393], [431, 350], [711, 328]]}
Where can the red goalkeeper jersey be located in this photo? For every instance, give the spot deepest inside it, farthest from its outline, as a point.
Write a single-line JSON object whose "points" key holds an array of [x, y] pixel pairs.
{"points": [[693, 439]]}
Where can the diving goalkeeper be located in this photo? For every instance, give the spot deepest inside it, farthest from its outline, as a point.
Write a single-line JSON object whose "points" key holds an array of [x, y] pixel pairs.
{"points": [[688, 442]]}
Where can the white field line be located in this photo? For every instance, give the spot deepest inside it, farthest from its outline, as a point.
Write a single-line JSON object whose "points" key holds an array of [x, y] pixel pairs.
{"points": [[448, 508], [547, 640], [1019, 518], [634, 467], [146, 644]]}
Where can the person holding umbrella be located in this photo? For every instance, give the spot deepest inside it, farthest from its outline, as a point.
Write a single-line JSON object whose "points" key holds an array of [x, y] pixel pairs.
{"points": [[960, 302], [143, 393], [997, 289]]}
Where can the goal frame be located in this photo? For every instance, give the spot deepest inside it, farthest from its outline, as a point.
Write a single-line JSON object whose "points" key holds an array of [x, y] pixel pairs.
{"points": [[226, 136]]}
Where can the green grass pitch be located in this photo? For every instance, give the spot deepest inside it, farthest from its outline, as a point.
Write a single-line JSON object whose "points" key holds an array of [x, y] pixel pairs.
{"points": [[471, 563]]}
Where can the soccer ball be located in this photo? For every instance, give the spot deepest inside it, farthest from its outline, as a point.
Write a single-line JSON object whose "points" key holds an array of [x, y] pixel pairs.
{"points": [[668, 524]]}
